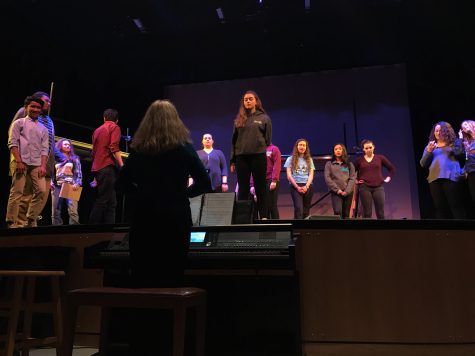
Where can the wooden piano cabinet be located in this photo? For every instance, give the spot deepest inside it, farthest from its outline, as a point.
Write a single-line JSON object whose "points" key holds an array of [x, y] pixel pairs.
{"points": [[387, 288]]}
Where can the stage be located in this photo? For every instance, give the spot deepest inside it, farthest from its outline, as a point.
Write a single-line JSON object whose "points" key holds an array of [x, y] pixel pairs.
{"points": [[366, 287]]}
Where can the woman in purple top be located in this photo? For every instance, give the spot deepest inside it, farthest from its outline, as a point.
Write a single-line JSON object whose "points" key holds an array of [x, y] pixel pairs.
{"points": [[274, 165], [370, 180], [444, 171]]}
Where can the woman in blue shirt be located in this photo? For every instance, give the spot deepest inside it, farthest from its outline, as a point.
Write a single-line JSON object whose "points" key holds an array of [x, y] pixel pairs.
{"points": [[300, 170]]}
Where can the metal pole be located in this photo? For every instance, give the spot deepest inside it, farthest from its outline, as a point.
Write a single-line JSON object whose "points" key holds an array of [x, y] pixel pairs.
{"points": [[50, 97], [123, 195]]}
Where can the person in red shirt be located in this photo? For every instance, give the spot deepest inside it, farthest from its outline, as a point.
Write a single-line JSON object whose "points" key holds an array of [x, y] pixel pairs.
{"points": [[370, 179], [106, 160]]}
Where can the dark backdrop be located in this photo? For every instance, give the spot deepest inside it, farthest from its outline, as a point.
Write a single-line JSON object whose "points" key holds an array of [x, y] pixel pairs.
{"points": [[97, 57]]}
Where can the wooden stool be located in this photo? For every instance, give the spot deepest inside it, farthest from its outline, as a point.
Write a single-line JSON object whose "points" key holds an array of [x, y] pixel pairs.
{"points": [[176, 299], [12, 308]]}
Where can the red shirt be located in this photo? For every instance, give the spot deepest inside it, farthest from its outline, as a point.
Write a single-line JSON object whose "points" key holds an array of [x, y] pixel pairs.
{"points": [[105, 141]]}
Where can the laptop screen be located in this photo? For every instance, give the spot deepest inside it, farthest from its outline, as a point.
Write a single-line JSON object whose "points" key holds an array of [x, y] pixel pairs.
{"points": [[197, 236]]}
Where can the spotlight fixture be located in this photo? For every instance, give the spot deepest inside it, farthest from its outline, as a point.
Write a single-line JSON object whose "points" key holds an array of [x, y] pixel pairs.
{"points": [[220, 13], [307, 5], [138, 23]]}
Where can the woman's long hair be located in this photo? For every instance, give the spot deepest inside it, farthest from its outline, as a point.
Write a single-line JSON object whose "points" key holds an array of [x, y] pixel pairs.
{"points": [[161, 129], [59, 145], [307, 156], [469, 138], [447, 133], [241, 117], [344, 154]]}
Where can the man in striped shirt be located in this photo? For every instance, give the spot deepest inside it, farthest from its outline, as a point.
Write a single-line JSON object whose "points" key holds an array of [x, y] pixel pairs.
{"points": [[53, 152]]}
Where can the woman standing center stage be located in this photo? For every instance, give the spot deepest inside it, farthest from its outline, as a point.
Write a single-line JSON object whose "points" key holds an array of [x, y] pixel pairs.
{"points": [[370, 179], [251, 135]]}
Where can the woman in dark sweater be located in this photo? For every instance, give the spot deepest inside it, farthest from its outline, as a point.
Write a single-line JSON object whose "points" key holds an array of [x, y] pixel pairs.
{"points": [[340, 179], [156, 171], [251, 135], [370, 179]]}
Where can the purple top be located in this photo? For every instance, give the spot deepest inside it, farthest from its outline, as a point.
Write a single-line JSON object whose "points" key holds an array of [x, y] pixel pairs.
{"points": [[274, 162], [371, 172]]}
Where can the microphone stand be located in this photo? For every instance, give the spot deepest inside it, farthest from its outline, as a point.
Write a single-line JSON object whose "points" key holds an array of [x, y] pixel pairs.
{"points": [[127, 138], [50, 97]]}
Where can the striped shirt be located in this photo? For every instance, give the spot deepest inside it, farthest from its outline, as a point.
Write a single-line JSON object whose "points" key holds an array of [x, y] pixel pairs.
{"points": [[46, 121]]}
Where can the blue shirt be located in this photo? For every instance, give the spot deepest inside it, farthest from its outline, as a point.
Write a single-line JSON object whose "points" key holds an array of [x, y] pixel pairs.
{"points": [[441, 164], [300, 174]]}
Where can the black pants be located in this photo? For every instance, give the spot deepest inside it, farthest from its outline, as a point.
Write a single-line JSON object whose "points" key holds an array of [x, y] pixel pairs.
{"points": [[368, 195], [447, 198], [272, 196], [158, 260], [341, 204], [103, 210], [302, 202], [255, 165]]}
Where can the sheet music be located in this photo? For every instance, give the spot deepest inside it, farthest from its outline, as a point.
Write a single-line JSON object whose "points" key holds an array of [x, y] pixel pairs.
{"points": [[68, 192], [195, 206], [217, 209]]}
